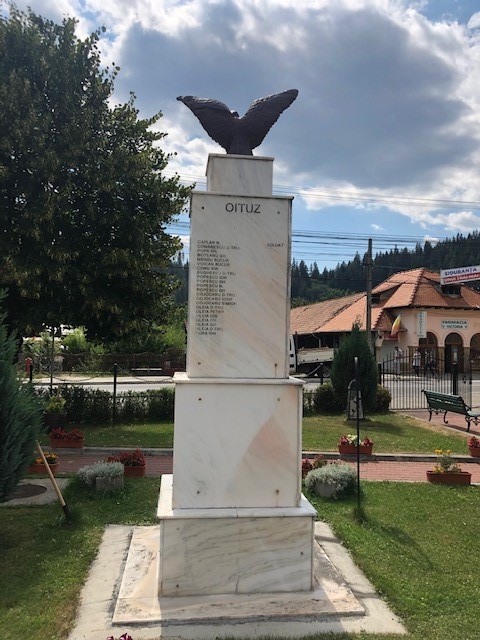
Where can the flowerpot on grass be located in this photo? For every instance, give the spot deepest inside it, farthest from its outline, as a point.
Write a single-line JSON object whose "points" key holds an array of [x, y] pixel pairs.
{"points": [[449, 477], [37, 465], [348, 444], [61, 439], [133, 463], [474, 446], [54, 420], [134, 472], [350, 449], [54, 414], [40, 468], [447, 471]]}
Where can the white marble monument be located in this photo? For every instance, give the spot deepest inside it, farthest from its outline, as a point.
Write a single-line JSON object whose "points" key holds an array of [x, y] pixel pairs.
{"points": [[232, 516]]}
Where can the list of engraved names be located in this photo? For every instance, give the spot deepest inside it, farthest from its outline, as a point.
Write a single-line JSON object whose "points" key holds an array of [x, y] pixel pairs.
{"points": [[215, 278]]}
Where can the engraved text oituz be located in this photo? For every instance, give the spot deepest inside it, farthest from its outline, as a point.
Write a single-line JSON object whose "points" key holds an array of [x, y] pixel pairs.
{"points": [[242, 207], [213, 276]]}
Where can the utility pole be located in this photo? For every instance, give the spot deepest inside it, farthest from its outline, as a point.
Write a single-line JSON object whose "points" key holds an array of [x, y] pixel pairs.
{"points": [[368, 264]]}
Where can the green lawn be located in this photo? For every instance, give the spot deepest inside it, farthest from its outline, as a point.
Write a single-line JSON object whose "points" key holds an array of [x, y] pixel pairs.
{"points": [[417, 545], [391, 433], [45, 562]]}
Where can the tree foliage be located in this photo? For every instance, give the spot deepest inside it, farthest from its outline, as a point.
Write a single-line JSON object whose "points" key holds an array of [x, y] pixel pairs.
{"points": [[20, 417], [354, 345], [84, 203]]}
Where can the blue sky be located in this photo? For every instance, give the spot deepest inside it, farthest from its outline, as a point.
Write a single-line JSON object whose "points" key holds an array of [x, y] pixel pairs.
{"points": [[383, 140]]}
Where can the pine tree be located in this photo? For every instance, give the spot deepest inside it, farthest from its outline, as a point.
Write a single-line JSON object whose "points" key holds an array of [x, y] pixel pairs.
{"points": [[343, 368], [20, 417]]}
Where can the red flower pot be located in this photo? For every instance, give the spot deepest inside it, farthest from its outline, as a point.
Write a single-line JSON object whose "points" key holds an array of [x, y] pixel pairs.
{"points": [[40, 468], [454, 477], [474, 452], [134, 472], [351, 449], [65, 443]]}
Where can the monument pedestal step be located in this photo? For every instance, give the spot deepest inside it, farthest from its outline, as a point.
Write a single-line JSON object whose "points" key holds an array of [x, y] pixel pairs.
{"points": [[221, 551]]}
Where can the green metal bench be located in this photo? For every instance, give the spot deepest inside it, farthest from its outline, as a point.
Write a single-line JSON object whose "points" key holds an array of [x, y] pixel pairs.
{"points": [[438, 402]]}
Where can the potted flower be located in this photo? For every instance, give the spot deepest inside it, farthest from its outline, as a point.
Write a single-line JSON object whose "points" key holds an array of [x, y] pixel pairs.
{"points": [[318, 462], [474, 446], [133, 463], [104, 476], [54, 412], [447, 471], [59, 438], [348, 445], [37, 465]]}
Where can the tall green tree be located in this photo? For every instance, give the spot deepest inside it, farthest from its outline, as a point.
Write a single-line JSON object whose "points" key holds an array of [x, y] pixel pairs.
{"points": [[84, 202], [20, 417]]}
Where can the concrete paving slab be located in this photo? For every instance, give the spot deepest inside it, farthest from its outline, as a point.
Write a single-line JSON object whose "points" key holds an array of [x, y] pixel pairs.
{"points": [[42, 492], [121, 595]]}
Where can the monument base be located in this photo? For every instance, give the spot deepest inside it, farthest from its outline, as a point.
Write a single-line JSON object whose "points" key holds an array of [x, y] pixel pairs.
{"points": [[139, 603], [227, 551]]}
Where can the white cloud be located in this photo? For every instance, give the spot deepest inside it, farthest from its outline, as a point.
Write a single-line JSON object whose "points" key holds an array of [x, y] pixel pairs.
{"points": [[389, 100]]}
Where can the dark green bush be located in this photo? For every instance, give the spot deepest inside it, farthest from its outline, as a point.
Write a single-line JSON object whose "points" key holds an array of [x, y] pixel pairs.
{"points": [[326, 400], [384, 397], [20, 417], [161, 404], [86, 405]]}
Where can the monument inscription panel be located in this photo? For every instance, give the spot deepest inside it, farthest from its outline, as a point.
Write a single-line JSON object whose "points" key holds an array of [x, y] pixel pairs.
{"points": [[239, 286]]}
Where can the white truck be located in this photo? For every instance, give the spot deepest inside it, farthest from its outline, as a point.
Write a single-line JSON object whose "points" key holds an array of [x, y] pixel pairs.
{"points": [[312, 361]]}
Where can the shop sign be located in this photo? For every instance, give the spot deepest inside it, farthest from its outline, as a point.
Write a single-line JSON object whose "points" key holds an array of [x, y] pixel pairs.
{"points": [[454, 324], [461, 274], [422, 324]]}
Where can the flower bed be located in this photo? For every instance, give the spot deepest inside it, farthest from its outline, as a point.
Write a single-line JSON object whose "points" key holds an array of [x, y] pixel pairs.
{"points": [[133, 463], [348, 445], [447, 471], [61, 439], [37, 465]]}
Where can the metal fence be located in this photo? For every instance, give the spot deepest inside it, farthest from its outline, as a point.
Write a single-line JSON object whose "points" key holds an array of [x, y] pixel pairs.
{"points": [[406, 382]]}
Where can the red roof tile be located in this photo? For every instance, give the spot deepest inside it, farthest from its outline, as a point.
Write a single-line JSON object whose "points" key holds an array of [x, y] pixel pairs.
{"points": [[415, 288]]}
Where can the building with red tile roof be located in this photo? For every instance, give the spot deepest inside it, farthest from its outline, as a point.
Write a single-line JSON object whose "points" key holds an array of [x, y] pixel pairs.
{"points": [[441, 320]]}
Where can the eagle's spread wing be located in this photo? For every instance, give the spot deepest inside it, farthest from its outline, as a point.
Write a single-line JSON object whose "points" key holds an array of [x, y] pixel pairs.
{"points": [[215, 117], [263, 114]]}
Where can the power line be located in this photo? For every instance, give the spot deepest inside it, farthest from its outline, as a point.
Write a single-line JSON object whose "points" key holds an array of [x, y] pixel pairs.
{"points": [[348, 196]]}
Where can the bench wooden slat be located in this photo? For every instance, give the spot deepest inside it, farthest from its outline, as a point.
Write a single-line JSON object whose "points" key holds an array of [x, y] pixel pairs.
{"points": [[448, 402]]}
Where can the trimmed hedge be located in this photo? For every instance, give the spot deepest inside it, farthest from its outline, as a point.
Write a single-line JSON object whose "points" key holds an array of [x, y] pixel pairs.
{"points": [[86, 405]]}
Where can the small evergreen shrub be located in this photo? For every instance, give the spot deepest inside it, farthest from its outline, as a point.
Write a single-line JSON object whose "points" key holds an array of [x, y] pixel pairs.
{"points": [[326, 400], [341, 477], [20, 417], [384, 398], [355, 345]]}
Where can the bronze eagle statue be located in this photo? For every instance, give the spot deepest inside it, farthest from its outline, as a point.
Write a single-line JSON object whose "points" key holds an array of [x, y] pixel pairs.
{"points": [[239, 135]]}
